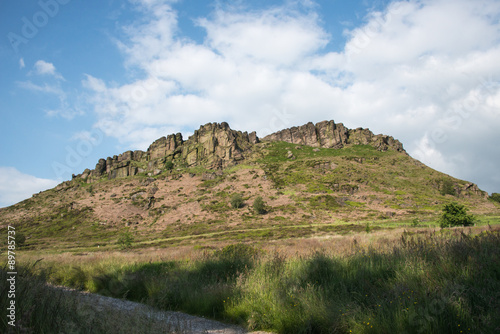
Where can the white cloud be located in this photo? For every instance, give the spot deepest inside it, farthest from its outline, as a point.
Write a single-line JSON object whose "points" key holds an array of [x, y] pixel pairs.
{"points": [[415, 70], [16, 186], [274, 36], [42, 88], [65, 110], [21, 63], [42, 67]]}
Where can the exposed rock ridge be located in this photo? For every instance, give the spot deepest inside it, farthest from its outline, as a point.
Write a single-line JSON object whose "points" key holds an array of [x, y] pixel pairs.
{"points": [[214, 145], [217, 146], [328, 134]]}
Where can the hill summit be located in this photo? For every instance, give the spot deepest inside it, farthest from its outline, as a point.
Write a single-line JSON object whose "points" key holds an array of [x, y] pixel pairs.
{"points": [[311, 180], [217, 146]]}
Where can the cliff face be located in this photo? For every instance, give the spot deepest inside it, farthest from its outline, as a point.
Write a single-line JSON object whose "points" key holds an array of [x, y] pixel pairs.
{"points": [[214, 145], [217, 146], [330, 135], [164, 146]]}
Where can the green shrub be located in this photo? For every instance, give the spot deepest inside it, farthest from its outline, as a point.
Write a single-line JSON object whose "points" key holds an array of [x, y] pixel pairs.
{"points": [[325, 202], [455, 214], [259, 206], [495, 197], [236, 251], [236, 201], [368, 228], [20, 239], [169, 165], [125, 240]]}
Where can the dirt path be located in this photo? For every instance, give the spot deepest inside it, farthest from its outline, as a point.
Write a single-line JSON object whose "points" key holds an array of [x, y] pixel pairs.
{"points": [[170, 322]]}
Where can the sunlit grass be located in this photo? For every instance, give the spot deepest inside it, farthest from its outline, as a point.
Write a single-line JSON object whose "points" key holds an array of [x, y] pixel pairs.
{"points": [[418, 280]]}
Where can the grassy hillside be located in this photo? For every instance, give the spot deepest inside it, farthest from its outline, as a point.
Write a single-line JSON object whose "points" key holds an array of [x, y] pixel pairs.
{"points": [[307, 192], [347, 241]]}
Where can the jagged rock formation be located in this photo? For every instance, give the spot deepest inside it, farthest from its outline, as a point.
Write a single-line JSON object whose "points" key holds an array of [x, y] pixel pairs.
{"points": [[214, 145], [217, 146], [164, 146], [330, 135]]}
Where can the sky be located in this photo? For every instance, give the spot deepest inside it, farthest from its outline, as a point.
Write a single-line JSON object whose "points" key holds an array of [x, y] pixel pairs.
{"points": [[83, 80]]}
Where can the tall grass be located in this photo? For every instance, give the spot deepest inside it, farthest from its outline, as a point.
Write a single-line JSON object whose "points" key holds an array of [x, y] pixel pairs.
{"points": [[427, 282], [44, 309]]}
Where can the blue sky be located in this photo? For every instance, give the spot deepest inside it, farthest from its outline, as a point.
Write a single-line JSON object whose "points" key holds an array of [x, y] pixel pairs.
{"points": [[83, 80]]}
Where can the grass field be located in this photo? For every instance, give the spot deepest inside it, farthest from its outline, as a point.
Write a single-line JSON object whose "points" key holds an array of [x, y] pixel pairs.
{"points": [[413, 280]]}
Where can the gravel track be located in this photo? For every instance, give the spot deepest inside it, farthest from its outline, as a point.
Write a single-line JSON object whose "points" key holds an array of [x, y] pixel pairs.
{"points": [[173, 322]]}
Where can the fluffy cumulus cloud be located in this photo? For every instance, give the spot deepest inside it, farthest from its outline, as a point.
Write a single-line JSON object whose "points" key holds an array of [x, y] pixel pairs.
{"points": [[42, 67], [16, 186], [423, 71]]}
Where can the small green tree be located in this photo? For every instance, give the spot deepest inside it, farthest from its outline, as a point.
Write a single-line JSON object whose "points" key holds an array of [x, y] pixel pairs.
{"points": [[169, 165], [455, 214], [259, 206], [236, 201], [495, 197]]}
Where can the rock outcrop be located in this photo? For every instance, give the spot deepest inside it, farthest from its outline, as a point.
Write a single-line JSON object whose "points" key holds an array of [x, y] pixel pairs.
{"points": [[165, 146], [217, 146], [328, 134]]}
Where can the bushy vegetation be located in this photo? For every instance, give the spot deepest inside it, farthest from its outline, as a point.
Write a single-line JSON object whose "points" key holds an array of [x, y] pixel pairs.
{"points": [[169, 165], [430, 282], [495, 197], [41, 308], [125, 240], [259, 205], [236, 201], [455, 214]]}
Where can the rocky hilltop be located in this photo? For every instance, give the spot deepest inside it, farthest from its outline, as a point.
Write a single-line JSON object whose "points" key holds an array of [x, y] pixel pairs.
{"points": [[315, 180], [217, 146], [327, 134]]}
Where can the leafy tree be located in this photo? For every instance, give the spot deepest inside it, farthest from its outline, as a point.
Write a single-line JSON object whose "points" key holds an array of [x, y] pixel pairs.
{"points": [[495, 197], [169, 165], [236, 201], [455, 214], [259, 206]]}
